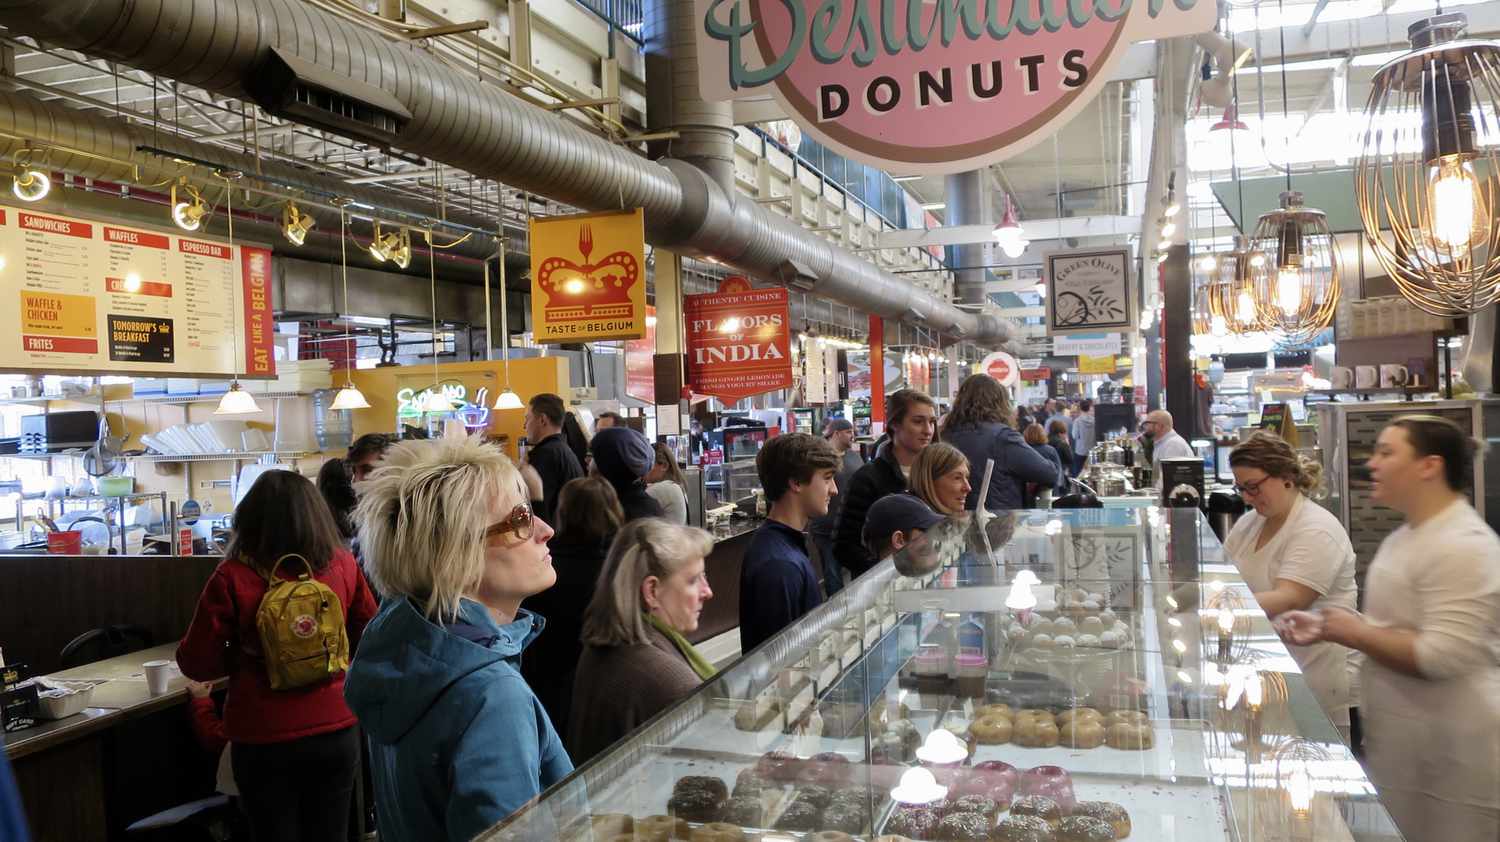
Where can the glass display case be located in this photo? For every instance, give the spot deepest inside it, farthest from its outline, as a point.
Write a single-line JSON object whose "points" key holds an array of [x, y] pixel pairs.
{"points": [[1134, 691]]}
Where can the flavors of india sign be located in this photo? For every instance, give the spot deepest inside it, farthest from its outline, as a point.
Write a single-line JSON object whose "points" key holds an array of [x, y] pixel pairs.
{"points": [[588, 277], [95, 296], [738, 340], [928, 86]]}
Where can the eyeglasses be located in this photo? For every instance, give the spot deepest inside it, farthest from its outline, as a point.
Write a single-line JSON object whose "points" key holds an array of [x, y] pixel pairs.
{"points": [[1250, 488], [519, 522]]}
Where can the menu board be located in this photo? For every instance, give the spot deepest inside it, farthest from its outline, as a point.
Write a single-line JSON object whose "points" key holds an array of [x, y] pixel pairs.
{"points": [[96, 296]]}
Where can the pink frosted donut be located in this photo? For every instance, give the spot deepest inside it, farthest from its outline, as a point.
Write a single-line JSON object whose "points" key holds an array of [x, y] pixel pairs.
{"points": [[1049, 782]]}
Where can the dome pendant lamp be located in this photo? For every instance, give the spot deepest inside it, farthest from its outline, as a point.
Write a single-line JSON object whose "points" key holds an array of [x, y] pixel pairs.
{"points": [[1425, 183]]}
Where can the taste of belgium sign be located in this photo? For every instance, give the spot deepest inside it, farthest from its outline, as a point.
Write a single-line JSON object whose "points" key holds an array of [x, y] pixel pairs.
{"points": [[928, 86]]}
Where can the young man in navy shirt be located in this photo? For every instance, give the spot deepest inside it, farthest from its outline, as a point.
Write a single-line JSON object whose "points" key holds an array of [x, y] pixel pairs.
{"points": [[777, 580]]}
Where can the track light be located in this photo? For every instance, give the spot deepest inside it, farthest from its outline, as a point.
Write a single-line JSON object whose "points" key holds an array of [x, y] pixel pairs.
{"points": [[295, 224], [188, 214], [1161, 257], [1173, 206], [1168, 228], [30, 185], [395, 247]]}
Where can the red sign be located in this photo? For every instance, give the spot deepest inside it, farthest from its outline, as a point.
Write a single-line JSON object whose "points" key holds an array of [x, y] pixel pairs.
{"points": [[184, 541], [738, 341], [50, 225], [1035, 374], [124, 286], [60, 344], [199, 247], [135, 238], [260, 355], [640, 362]]}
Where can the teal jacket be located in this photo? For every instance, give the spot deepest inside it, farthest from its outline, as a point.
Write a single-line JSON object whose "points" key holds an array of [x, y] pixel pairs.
{"points": [[457, 739]]}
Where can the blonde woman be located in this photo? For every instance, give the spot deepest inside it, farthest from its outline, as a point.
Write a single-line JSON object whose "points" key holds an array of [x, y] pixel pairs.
{"points": [[457, 740], [940, 478], [1294, 555], [636, 657]]}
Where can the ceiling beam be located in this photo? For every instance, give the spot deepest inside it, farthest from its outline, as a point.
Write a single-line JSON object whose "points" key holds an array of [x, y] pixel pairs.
{"points": [[1037, 230]]}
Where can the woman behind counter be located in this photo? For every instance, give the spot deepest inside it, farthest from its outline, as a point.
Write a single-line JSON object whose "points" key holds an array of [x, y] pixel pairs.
{"points": [[1294, 555], [667, 486], [636, 660], [1431, 673]]}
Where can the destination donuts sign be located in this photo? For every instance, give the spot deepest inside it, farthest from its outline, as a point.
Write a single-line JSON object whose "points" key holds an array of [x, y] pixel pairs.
{"points": [[928, 86]]}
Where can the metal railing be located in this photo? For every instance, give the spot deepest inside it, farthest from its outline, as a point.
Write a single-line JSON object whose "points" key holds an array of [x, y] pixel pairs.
{"points": [[624, 16]]}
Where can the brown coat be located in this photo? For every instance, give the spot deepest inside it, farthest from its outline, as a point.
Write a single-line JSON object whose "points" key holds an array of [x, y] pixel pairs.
{"points": [[617, 688]]}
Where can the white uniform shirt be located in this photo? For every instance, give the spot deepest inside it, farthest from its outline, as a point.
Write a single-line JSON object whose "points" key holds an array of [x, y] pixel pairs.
{"points": [[1433, 743], [1313, 550], [1169, 446]]}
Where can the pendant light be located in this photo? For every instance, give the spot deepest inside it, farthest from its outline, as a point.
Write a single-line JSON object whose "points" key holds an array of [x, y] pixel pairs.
{"points": [[1008, 234], [1425, 183], [349, 395], [507, 399], [436, 400], [1232, 297], [236, 401], [1231, 121], [1297, 282]]}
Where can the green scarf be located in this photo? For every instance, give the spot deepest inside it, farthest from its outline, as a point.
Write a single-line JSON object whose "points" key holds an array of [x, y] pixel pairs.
{"points": [[699, 663]]}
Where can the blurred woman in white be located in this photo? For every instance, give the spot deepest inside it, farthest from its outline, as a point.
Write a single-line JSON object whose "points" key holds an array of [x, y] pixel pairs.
{"points": [[1430, 682], [1294, 555], [666, 485]]}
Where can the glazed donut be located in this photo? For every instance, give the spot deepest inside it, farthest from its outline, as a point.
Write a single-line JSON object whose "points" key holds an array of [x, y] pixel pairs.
{"points": [[993, 779], [778, 766], [1088, 641], [1123, 735], [829, 768], [1106, 811], [1064, 625], [1064, 641], [718, 832], [991, 730], [1037, 806], [1035, 731], [1078, 713], [660, 829], [1082, 733], [1091, 625], [995, 710], [1051, 782], [1084, 829], [1127, 717]]}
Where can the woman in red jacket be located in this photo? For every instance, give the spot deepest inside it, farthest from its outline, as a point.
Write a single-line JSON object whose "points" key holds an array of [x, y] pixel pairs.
{"points": [[296, 752]]}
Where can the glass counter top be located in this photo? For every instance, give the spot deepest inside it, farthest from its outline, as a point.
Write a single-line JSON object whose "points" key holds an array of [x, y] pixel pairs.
{"points": [[1144, 676]]}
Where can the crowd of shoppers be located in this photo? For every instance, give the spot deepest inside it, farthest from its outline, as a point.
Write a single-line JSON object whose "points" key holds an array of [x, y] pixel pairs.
{"points": [[982, 426]]}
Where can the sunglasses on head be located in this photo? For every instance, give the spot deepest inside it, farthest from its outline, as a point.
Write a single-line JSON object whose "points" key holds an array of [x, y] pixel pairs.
{"points": [[518, 521]]}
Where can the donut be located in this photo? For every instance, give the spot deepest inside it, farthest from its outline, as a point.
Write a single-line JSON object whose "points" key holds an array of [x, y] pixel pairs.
{"points": [[1041, 641], [1078, 713], [983, 805], [799, 815], [1015, 828], [749, 782], [1084, 829], [1108, 617], [829, 767], [963, 827], [778, 766], [995, 772], [845, 818], [1128, 717], [991, 730], [994, 710], [1036, 731], [1091, 625], [1051, 782], [1038, 806], [660, 829], [717, 832], [1123, 735], [1064, 625], [704, 782], [1106, 811], [1110, 639], [916, 822], [831, 836], [744, 810], [606, 825], [1082, 733], [815, 794], [696, 801]]}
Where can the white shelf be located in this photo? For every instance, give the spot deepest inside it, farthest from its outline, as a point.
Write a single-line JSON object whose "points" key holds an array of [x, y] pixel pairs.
{"points": [[214, 398], [239, 456]]}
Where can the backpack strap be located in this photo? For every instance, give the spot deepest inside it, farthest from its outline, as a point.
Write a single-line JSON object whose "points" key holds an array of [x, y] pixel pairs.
{"points": [[271, 575]]}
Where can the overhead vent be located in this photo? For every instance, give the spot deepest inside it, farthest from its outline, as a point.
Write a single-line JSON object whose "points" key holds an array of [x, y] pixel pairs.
{"points": [[291, 87]]}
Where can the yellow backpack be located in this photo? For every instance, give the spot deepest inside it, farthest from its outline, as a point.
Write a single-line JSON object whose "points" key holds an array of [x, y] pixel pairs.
{"points": [[301, 625]]}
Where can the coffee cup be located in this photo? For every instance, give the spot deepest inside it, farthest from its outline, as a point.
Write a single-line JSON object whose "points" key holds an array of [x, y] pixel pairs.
{"points": [[158, 676], [1342, 377], [1366, 377], [1393, 376]]}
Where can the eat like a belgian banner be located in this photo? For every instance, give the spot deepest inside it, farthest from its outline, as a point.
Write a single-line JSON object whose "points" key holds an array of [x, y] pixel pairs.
{"points": [[588, 277]]}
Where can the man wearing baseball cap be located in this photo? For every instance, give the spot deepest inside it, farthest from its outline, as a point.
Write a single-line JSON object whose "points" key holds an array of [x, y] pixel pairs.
{"points": [[894, 523], [840, 434]]}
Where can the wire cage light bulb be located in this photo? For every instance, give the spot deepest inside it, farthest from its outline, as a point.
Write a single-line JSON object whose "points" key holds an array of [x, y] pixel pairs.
{"points": [[1296, 288], [1426, 179]]}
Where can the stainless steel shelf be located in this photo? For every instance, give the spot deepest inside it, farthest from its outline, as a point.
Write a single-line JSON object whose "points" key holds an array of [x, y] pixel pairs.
{"points": [[186, 399], [239, 456]]}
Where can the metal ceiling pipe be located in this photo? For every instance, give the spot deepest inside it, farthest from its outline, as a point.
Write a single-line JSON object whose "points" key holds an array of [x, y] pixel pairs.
{"points": [[968, 203], [705, 130], [223, 46]]}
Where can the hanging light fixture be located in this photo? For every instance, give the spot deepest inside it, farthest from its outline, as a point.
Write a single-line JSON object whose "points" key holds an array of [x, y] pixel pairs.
{"points": [[30, 185], [394, 246], [1431, 181], [236, 401], [1231, 290], [188, 213], [1296, 284], [1231, 121], [295, 224], [1009, 235], [349, 395], [507, 399], [1168, 228], [1171, 207]]}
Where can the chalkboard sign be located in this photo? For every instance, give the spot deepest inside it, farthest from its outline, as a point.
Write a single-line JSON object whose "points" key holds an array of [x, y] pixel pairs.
{"points": [[1277, 417]]}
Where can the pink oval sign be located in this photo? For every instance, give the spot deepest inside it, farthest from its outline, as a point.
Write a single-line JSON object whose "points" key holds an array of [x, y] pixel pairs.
{"points": [[927, 86]]}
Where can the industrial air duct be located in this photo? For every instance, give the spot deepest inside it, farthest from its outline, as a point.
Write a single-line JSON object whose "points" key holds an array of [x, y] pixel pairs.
{"points": [[235, 47]]}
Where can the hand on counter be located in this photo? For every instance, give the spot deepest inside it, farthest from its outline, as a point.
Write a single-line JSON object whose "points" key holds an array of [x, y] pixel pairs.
{"points": [[199, 689]]}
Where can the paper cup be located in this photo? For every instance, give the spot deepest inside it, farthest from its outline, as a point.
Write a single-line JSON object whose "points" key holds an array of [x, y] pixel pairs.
{"points": [[158, 675]]}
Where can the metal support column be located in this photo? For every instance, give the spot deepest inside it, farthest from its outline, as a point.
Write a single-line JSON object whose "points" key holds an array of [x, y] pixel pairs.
{"points": [[1176, 333], [969, 203]]}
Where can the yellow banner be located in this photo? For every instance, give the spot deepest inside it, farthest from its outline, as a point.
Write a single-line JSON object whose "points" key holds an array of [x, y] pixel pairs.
{"points": [[588, 277], [1096, 365], [58, 313]]}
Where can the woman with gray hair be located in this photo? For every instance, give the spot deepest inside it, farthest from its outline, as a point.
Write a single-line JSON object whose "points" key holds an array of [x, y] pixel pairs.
{"points": [[636, 660], [457, 739]]}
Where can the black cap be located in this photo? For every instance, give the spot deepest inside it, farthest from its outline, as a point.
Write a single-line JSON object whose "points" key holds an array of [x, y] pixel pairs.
{"points": [[897, 513], [622, 455]]}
